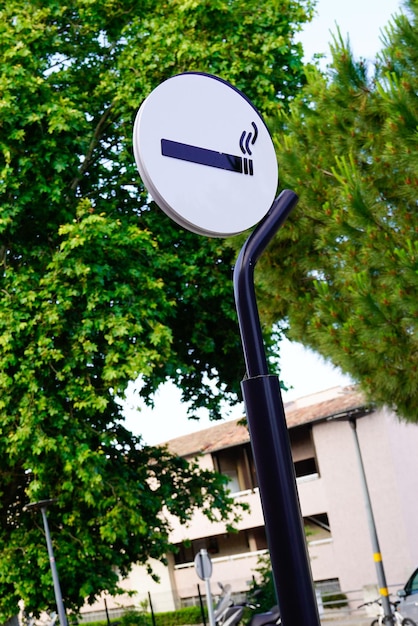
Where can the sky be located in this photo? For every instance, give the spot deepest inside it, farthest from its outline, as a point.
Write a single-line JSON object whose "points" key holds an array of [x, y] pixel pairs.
{"points": [[361, 20], [302, 370]]}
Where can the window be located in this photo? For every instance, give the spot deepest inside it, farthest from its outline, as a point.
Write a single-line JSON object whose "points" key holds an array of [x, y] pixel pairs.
{"points": [[330, 595], [238, 465], [303, 452], [331, 585], [306, 467], [223, 545], [412, 584], [317, 528]]}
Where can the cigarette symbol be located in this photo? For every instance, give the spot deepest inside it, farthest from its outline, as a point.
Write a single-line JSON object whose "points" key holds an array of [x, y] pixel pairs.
{"points": [[212, 158]]}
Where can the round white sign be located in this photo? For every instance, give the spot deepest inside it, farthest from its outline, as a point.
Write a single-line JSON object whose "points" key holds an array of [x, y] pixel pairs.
{"points": [[203, 565], [205, 155]]}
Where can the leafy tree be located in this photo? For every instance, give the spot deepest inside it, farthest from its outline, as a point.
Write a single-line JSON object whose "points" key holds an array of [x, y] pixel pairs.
{"points": [[98, 287], [342, 275]]}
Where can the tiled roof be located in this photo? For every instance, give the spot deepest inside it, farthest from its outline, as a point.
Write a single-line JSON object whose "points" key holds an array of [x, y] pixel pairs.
{"points": [[227, 434], [349, 399], [222, 435]]}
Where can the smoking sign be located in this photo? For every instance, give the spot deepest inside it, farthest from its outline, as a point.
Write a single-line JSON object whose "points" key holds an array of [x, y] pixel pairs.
{"points": [[205, 155]]}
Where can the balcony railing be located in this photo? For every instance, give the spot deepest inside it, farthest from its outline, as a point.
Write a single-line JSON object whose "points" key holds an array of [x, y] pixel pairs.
{"points": [[224, 559]]}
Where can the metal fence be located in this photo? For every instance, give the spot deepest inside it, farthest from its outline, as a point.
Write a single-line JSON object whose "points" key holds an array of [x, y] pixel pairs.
{"points": [[343, 609]]}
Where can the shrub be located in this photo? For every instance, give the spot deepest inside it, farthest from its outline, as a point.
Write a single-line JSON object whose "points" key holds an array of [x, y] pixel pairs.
{"points": [[334, 600], [188, 615], [135, 618], [182, 617]]}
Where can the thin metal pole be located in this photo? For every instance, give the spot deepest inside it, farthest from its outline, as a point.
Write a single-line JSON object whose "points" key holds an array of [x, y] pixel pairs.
{"points": [[152, 609], [57, 589], [270, 439], [107, 613], [202, 610], [377, 555]]}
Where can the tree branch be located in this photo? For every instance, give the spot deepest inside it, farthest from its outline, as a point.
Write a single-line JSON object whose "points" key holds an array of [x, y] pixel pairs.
{"points": [[98, 131]]}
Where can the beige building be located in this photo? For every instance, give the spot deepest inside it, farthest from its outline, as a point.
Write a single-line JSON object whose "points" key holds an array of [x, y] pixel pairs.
{"points": [[331, 498]]}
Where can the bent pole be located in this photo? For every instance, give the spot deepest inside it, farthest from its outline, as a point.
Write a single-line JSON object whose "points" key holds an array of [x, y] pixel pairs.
{"points": [[269, 436]]}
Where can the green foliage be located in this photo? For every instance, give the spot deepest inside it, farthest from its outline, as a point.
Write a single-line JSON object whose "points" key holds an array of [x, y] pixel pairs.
{"points": [[135, 618], [334, 600], [98, 287], [348, 257], [262, 588], [180, 617]]}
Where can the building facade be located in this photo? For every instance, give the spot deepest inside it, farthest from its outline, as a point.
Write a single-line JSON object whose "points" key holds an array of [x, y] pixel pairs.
{"points": [[331, 497]]}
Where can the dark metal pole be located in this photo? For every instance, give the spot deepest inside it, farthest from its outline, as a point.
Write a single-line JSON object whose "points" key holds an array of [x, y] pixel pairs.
{"points": [[269, 436], [377, 556], [202, 609], [107, 613], [152, 609]]}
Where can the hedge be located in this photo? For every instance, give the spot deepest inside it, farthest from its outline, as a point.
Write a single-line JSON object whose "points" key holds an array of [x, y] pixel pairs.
{"points": [[190, 615]]}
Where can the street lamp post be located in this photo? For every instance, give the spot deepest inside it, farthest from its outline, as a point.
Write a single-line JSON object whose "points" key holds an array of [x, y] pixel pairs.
{"points": [[377, 555], [42, 505]]}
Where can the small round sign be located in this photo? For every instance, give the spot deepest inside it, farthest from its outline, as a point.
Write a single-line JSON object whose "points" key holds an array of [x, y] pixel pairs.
{"points": [[203, 565], [205, 155]]}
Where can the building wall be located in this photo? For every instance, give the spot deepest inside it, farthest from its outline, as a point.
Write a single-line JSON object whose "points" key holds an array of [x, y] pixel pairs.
{"points": [[404, 445], [313, 495], [324, 565], [389, 450], [236, 571], [391, 468], [200, 526], [163, 593], [338, 471]]}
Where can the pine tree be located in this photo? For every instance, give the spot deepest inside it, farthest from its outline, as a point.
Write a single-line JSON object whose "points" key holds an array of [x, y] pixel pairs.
{"points": [[342, 276]]}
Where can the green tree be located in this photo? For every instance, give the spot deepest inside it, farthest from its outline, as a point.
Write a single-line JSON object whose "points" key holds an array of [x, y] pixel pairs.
{"points": [[98, 287], [342, 275]]}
